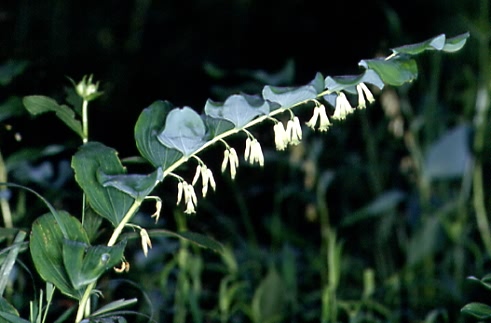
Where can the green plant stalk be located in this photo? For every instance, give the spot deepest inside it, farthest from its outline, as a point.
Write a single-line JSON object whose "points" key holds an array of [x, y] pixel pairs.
{"points": [[85, 121], [4, 204], [482, 111], [83, 308]]}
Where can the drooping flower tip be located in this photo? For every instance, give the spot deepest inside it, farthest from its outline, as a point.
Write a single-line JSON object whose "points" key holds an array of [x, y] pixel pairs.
{"points": [[343, 107], [253, 152], [280, 136], [364, 91], [321, 115]]}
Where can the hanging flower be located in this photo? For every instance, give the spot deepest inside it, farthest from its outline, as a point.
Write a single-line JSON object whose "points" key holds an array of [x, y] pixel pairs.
{"points": [[190, 199], [363, 92], [280, 136], [253, 152], [294, 131], [145, 241], [343, 107], [319, 113], [230, 158]]}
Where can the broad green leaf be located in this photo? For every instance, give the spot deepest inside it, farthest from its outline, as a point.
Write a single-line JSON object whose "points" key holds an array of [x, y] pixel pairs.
{"points": [[184, 130], [238, 109], [46, 246], [318, 83], [269, 300], [6, 307], [289, 96], [217, 126], [37, 104], [109, 202], [455, 43], [348, 83], [6, 317], [435, 43], [85, 264], [395, 71], [478, 310], [150, 123], [485, 281], [136, 185]]}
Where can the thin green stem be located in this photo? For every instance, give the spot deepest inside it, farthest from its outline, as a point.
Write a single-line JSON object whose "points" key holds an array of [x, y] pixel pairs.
{"points": [[4, 204], [85, 121]]}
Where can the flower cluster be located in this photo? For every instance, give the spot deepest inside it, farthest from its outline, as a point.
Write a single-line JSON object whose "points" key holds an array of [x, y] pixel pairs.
{"points": [[319, 113], [253, 152], [206, 177], [230, 158], [292, 135], [190, 198], [86, 89]]}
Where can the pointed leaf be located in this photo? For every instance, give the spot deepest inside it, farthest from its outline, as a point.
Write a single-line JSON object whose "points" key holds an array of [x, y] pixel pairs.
{"points": [[109, 202], [435, 43], [115, 305], [85, 264], [318, 83], [193, 237], [150, 123], [6, 307], [11, 318], [349, 82], [289, 96], [269, 301], [478, 310], [217, 126], [46, 246], [136, 185], [455, 43], [238, 109], [37, 104], [184, 130], [395, 71], [9, 261]]}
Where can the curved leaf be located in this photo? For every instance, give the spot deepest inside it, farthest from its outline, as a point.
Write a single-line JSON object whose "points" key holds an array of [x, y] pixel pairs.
{"points": [[148, 126], [109, 202], [85, 264], [289, 96], [455, 43], [238, 109], [348, 83], [37, 104], [184, 130], [395, 71], [193, 237], [435, 43], [478, 310], [46, 246], [136, 185]]}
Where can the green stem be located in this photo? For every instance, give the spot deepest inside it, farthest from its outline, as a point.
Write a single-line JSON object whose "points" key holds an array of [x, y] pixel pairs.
{"points": [[83, 309], [4, 204], [85, 121], [482, 111]]}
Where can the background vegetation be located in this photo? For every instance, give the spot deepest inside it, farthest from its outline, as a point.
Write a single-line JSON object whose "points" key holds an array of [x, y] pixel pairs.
{"points": [[380, 219]]}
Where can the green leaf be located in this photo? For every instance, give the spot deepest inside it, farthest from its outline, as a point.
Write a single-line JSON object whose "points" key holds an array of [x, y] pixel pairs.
{"points": [[193, 237], [269, 301], [115, 305], [485, 281], [46, 246], [478, 310], [238, 109], [6, 307], [149, 125], [395, 71], [289, 96], [109, 202], [435, 43], [85, 264], [455, 43], [37, 104], [217, 126], [11, 318], [9, 261], [184, 130], [136, 185], [349, 82]]}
